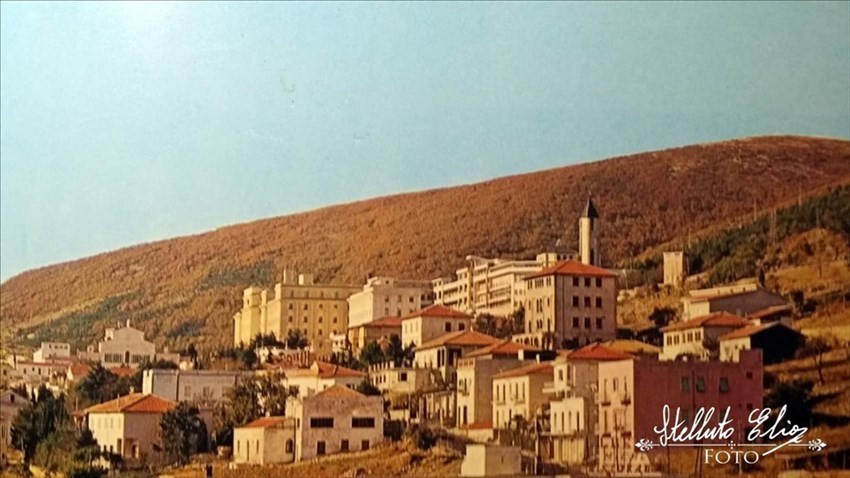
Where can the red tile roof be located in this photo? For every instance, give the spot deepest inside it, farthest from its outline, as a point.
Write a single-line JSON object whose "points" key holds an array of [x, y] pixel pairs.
{"points": [[598, 352], [383, 322], [505, 347], [338, 391], [439, 311], [542, 368], [123, 371], [768, 311], [134, 403], [461, 337], [329, 370], [268, 422], [79, 369], [751, 330], [572, 268], [716, 319]]}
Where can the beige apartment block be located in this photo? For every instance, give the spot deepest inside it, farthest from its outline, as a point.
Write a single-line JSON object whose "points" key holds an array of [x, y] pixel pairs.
{"points": [[491, 286], [569, 304], [374, 331], [475, 371], [688, 338], [317, 310], [129, 425], [388, 297], [488, 460], [432, 322], [265, 441], [442, 353], [519, 392], [336, 420]]}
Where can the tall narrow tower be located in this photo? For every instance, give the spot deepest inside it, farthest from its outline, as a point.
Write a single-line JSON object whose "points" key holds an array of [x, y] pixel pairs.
{"points": [[587, 246]]}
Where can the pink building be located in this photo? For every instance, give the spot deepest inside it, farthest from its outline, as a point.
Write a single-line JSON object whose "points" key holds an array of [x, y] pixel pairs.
{"points": [[647, 385]]}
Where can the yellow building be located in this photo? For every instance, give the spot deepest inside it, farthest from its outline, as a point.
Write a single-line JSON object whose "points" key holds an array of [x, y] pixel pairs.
{"points": [[317, 310]]}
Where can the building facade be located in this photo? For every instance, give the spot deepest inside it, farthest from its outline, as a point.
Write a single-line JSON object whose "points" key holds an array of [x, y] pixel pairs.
{"points": [[52, 351], [432, 322], [689, 338], [388, 297], [518, 392], [374, 331], [126, 347], [194, 386], [265, 441], [297, 303], [569, 304]]}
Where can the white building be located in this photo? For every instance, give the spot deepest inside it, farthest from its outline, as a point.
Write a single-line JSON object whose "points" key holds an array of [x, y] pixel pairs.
{"points": [[265, 441], [198, 386], [52, 351], [322, 376], [432, 322], [387, 296], [691, 336], [126, 346], [519, 392]]}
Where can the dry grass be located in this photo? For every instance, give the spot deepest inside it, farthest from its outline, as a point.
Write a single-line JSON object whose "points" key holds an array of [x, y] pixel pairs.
{"points": [[645, 200]]}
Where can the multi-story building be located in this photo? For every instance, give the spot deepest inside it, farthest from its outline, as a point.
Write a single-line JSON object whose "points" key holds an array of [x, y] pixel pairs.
{"points": [[432, 322], [388, 297], [518, 392], [197, 386], [52, 351], [443, 352], [633, 393], [569, 304], [689, 338], [321, 376], [491, 286], [317, 310], [336, 420], [475, 371]]}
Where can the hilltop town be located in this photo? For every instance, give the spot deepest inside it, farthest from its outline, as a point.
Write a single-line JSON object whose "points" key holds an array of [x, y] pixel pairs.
{"points": [[552, 364]]}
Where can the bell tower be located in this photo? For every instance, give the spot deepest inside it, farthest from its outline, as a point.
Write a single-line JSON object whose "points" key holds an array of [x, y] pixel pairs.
{"points": [[587, 246]]}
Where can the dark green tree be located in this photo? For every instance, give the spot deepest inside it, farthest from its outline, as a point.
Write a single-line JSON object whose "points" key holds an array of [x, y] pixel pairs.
{"points": [[366, 388], [37, 420], [182, 432], [371, 354], [295, 339], [796, 396]]}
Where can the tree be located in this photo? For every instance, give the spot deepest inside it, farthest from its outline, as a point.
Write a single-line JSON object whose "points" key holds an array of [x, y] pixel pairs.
{"points": [[815, 347], [265, 340], [366, 388], [295, 339], [661, 316], [796, 396], [248, 401], [37, 420], [371, 354], [98, 386], [712, 347], [182, 432]]}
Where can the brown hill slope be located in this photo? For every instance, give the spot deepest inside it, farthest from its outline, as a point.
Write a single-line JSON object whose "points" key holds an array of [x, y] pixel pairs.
{"points": [[178, 288]]}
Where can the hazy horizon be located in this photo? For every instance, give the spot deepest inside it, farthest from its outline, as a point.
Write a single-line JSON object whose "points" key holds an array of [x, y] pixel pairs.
{"points": [[125, 124]]}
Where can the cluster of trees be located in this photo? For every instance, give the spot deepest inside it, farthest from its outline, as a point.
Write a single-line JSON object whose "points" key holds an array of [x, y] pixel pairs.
{"points": [[501, 327], [45, 434], [248, 401], [373, 354], [101, 385]]}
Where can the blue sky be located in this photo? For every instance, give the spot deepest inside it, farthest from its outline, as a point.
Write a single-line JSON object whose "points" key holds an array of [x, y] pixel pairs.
{"points": [[129, 122]]}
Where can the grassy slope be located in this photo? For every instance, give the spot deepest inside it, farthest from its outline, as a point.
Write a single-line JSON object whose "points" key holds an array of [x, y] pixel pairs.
{"points": [[181, 288]]}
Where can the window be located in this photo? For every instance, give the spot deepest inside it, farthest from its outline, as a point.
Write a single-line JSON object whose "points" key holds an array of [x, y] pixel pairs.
{"points": [[575, 322], [575, 301], [749, 374], [598, 282], [289, 445], [724, 384], [461, 326], [587, 301], [364, 444], [700, 384], [598, 323], [320, 448], [448, 326], [320, 319], [587, 322], [402, 377], [686, 384], [575, 281], [343, 446], [362, 422], [321, 422], [599, 302], [587, 281]]}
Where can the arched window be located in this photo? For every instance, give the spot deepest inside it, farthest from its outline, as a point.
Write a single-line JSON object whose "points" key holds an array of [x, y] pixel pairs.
{"points": [[289, 446]]}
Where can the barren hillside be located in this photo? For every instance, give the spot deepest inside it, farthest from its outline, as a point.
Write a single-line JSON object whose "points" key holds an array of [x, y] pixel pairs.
{"points": [[179, 288]]}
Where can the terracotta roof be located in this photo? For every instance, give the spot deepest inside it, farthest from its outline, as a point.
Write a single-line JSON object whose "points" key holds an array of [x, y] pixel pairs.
{"points": [[768, 311], [505, 347], [328, 370], [383, 322], [751, 330], [716, 319], [267, 422], [572, 268], [632, 346], [461, 337], [43, 364], [79, 369], [439, 311], [598, 352], [542, 368], [123, 371], [338, 391], [134, 403]]}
